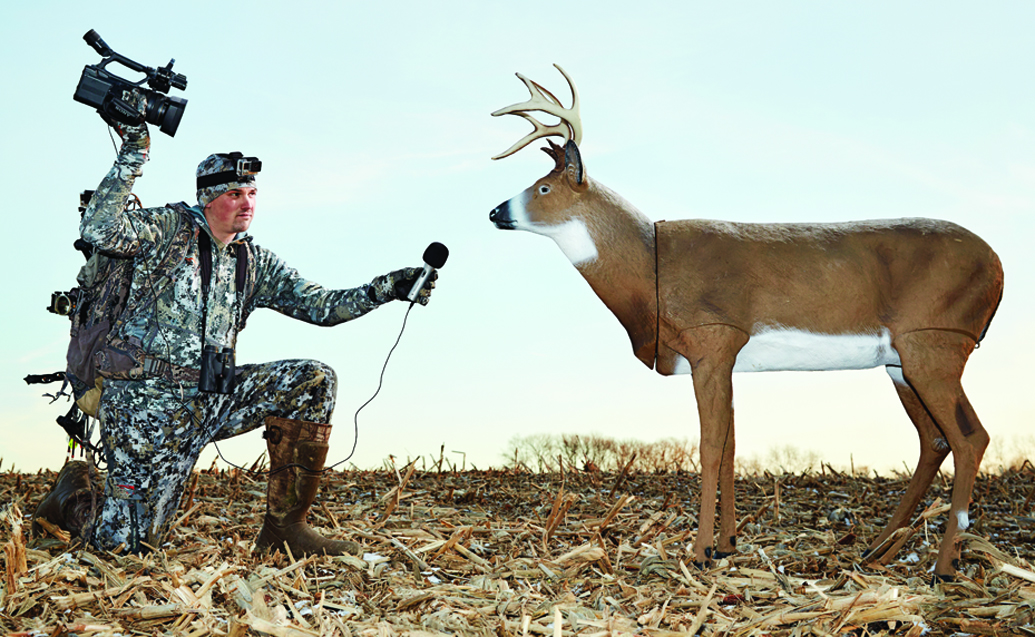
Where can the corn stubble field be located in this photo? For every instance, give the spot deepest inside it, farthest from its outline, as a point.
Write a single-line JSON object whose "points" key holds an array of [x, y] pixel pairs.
{"points": [[513, 553]]}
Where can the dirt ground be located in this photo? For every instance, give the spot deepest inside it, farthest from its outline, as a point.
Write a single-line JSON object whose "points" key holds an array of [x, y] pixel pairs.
{"points": [[516, 553]]}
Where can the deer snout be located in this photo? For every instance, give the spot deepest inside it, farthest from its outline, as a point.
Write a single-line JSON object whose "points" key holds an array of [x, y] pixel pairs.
{"points": [[502, 217]]}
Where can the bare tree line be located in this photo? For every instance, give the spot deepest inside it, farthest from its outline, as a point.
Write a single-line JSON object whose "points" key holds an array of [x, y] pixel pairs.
{"points": [[544, 453]]}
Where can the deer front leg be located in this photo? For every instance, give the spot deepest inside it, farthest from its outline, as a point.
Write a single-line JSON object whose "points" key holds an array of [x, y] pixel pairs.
{"points": [[712, 352], [727, 500]]}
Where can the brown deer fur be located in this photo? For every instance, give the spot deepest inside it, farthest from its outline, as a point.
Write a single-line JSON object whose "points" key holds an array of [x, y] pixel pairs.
{"points": [[693, 294]]}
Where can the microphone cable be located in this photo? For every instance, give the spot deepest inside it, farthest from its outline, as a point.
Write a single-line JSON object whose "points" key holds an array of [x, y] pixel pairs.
{"points": [[355, 418]]}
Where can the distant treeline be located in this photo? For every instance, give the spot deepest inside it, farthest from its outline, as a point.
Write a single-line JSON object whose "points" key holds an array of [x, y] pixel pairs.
{"points": [[544, 453], [540, 453]]}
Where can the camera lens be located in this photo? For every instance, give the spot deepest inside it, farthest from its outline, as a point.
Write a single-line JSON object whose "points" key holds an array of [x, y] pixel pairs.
{"points": [[172, 112], [165, 111]]}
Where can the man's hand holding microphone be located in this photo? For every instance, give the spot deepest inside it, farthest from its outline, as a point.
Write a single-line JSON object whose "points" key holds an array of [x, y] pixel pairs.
{"points": [[411, 284]]}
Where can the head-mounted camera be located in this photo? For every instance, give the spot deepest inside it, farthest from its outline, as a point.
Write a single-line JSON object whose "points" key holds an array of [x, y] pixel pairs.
{"points": [[239, 167]]}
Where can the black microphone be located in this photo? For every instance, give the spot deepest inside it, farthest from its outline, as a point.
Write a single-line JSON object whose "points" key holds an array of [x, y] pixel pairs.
{"points": [[434, 258]]}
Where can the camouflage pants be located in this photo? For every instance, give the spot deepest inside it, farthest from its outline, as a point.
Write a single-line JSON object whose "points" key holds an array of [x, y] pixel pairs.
{"points": [[153, 436]]}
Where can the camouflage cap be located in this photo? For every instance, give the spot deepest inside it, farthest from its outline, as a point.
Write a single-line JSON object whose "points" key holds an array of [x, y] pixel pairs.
{"points": [[222, 172]]}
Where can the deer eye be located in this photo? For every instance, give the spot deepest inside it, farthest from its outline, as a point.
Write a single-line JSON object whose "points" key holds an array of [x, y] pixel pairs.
{"points": [[544, 190]]}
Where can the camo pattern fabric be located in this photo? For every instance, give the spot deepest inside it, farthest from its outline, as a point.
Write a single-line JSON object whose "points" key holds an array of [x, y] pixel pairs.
{"points": [[163, 313], [152, 438], [154, 428], [215, 164]]}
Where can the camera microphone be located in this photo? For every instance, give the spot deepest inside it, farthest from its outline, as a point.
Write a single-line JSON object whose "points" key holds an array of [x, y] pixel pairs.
{"points": [[434, 258], [94, 40]]}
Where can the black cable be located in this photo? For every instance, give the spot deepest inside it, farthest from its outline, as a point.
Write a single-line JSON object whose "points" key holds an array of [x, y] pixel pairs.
{"points": [[355, 419], [112, 138], [380, 382]]}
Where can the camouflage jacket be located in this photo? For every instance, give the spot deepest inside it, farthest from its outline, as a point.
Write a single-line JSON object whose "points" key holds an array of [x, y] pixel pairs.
{"points": [[163, 315]]}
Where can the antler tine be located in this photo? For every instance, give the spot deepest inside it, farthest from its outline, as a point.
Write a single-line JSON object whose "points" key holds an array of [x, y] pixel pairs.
{"points": [[541, 130], [537, 100], [570, 126], [575, 120], [546, 93]]}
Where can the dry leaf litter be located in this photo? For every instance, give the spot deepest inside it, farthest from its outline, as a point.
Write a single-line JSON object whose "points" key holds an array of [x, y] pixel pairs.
{"points": [[515, 553]]}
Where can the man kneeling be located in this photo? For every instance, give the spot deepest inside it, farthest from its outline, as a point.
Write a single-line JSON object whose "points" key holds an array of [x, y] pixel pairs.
{"points": [[170, 385]]}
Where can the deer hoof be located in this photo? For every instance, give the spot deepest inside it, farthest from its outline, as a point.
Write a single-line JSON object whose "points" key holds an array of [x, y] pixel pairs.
{"points": [[722, 554], [942, 579]]}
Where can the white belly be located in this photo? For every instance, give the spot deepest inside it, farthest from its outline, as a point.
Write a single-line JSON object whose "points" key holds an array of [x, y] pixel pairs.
{"points": [[781, 349]]}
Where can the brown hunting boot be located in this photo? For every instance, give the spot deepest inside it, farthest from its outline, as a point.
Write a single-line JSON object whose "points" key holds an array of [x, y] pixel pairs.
{"points": [[291, 491], [70, 502]]}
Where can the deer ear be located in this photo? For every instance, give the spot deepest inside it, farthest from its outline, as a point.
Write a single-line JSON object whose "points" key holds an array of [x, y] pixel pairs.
{"points": [[573, 163]]}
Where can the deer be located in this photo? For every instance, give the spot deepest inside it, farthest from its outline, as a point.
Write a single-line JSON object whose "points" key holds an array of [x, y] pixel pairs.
{"points": [[711, 298]]}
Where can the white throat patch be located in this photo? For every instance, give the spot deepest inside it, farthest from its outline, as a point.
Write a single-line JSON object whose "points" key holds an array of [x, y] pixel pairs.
{"points": [[572, 236], [573, 239]]}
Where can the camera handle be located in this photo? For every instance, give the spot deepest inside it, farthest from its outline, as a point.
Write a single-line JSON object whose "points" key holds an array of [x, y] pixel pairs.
{"points": [[110, 56], [159, 79]]}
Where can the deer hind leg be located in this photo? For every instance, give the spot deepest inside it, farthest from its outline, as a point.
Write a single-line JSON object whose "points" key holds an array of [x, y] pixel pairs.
{"points": [[712, 352], [932, 363], [934, 448]]}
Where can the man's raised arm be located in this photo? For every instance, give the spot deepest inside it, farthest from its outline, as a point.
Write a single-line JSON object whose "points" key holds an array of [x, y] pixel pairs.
{"points": [[104, 225]]}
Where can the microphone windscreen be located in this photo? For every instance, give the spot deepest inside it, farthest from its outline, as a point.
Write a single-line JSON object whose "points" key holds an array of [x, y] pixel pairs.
{"points": [[436, 254]]}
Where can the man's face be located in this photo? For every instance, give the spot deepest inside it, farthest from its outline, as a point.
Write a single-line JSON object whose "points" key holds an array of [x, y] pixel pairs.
{"points": [[231, 212]]}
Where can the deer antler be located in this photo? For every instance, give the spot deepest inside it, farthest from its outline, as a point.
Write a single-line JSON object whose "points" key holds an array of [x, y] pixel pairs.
{"points": [[570, 126]]}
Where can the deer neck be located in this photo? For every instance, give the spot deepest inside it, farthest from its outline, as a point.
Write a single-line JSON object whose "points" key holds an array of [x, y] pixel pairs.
{"points": [[620, 266]]}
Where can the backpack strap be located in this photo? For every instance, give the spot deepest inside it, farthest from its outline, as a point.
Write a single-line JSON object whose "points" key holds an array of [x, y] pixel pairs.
{"points": [[242, 265], [205, 256], [205, 261]]}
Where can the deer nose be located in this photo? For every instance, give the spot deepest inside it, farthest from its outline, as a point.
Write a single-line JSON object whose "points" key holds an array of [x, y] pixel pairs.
{"points": [[500, 216]]}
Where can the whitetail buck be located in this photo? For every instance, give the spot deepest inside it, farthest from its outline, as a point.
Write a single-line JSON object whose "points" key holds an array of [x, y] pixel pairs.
{"points": [[711, 298]]}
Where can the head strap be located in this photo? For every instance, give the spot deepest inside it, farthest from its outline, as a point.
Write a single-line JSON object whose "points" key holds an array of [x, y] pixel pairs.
{"points": [[242, 169]]}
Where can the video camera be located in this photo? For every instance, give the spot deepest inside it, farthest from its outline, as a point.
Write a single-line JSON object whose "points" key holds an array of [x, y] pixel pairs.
{"points": [[103, 90]]}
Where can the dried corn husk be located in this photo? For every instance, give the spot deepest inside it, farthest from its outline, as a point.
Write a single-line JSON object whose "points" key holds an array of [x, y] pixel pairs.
{"points": [[505, 553]]}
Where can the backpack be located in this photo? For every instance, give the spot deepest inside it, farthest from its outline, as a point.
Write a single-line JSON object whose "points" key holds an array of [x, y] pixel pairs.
{"points": [[92, 307], [95, 310], [98, 303], [104, 284]]}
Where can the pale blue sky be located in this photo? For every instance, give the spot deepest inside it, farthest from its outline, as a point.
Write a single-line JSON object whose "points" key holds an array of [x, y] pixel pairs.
{"points": [[372, 121]]}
